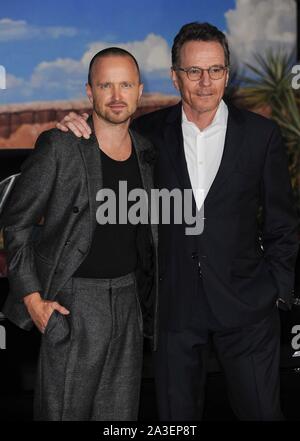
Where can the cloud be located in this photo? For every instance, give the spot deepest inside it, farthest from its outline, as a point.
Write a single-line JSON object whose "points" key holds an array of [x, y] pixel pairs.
{"points": [[256, 25], [11, 30], [49, 81], [63, 72], [15, 86], [13, 81], [65, 78], [152, 53]]}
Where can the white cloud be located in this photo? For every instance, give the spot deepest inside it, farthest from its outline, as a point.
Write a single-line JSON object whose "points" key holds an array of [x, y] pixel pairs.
{"points": [[256, 25], [13, 81], [49, 81], [152, 53], [63, 72], [15, 86], [11, 30], [65, 78]]}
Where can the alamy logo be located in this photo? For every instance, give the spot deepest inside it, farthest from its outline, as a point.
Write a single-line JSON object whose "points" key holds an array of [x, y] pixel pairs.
{"points": [[296, 77], [2, 77], [161, 207], [2, 337], [296, 340]]}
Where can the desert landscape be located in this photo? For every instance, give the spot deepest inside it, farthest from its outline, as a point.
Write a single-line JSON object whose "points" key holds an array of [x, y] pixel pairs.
{"points": [[20, 124]]}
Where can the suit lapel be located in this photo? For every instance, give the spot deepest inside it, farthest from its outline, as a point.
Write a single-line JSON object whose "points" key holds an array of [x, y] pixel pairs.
{"points": [[145, 169], [173, 142], [233, 146], [142, 147], [89, 150]]}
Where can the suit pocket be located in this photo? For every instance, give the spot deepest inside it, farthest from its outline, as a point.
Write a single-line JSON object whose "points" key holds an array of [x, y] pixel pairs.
{"points": [[57, 329]]}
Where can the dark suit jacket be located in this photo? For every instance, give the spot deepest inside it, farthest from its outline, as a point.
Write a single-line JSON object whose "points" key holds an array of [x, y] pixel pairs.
{"points": [[244, 268], [58, 183]]}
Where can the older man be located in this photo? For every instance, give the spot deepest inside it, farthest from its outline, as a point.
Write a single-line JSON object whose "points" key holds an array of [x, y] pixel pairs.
{"points": [[82, 282], [226, 283]]}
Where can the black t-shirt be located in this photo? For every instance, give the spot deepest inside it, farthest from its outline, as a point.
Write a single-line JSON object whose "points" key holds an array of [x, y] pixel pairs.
{"points": [[113, 251]]}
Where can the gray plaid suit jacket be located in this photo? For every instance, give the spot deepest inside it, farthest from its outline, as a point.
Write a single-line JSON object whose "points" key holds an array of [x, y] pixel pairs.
{"points": [[58, 186]]}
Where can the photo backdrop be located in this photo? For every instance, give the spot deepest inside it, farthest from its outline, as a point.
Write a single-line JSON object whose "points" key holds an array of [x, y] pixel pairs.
{"points": [[45, 50]]}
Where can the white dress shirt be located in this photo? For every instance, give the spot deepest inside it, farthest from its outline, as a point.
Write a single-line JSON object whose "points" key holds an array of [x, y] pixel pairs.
{"points": [[203, 151]]}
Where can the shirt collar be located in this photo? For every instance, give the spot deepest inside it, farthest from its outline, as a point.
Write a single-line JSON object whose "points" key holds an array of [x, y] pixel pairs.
{"points": [[219, 121]]}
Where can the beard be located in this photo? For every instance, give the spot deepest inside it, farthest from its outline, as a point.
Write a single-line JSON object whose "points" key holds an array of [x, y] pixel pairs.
{"points": [[114, 116]]}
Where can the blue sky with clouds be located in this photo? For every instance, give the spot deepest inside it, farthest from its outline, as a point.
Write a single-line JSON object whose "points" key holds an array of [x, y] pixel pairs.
{"points": [[46, 47]]}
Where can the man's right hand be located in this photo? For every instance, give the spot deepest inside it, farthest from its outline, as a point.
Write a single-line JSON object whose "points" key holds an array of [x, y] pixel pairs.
{"points": [[40, 310], [76, 123]]}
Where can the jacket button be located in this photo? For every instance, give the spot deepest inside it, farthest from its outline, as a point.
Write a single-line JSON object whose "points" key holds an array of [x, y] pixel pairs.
{"points": [[75, 210]]}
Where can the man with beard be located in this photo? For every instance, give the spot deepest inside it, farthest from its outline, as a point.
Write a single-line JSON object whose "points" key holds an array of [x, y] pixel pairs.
{"points": [[225, 284], [83, 283]]}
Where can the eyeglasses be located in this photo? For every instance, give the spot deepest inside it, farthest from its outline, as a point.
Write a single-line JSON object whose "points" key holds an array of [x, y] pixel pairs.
{"points": [[196, 73]]}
